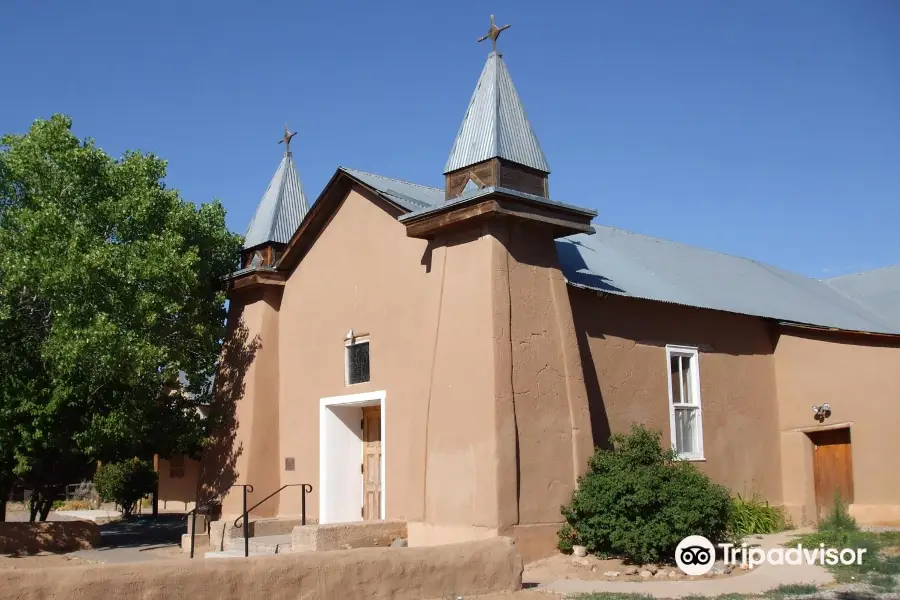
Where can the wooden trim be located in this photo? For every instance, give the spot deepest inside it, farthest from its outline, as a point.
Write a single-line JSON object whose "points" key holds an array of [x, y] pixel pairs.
{"points": [[560, 220], [815, 428]]}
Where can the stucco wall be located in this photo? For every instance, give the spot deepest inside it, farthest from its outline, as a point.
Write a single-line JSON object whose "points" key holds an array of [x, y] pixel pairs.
{"points": [[51, 536], [859, 378], [246, 406], [364, 274], [177, 492], [383, 573], [623, 344]]}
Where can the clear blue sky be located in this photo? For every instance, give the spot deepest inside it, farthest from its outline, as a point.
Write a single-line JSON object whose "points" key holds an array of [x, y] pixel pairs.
{"points": [[767, 129]]}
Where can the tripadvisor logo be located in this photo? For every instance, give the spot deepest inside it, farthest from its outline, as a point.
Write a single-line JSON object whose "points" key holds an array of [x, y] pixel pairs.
{"points": [[695, 555]]}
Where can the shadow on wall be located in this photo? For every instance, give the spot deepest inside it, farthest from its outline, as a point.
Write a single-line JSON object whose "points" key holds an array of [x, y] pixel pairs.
{"points": [[600, 316], [218, 466]]}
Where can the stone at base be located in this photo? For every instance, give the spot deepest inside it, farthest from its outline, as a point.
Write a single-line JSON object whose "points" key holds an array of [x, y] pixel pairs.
{"points": [[579, 551], [399, 543], [646, 574], [201, 540], [631, 570], [612, 574]]}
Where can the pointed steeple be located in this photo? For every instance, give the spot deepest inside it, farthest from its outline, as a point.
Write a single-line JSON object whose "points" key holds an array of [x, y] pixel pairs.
{"points": [[280, 211], [496, 129]]}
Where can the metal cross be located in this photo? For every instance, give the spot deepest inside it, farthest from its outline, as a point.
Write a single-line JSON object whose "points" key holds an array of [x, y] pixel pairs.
{"points": [[493, 33], [286, 140]]}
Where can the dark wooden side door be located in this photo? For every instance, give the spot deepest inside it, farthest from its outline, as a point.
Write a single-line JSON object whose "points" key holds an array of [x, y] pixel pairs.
{"points": [[371, 463], [832, 468]]}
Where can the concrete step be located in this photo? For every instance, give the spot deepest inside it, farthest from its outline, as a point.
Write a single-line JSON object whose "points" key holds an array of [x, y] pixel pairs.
{"points": [[262, 544]]}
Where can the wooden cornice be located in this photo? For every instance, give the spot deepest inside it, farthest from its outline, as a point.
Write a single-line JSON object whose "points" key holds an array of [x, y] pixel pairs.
{"points": [[560, 221]]}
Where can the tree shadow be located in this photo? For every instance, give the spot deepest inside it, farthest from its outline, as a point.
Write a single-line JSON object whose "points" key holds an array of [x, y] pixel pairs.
{"points": [[218, 465]]}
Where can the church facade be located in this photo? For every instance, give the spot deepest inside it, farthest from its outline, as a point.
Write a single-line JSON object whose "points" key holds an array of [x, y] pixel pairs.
{"points": [[451, 357]]}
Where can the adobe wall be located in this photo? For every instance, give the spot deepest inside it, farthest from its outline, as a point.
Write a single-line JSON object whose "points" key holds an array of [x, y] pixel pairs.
{"points": [[623, 347], [396, 573], [363, 273], [548, 429], [51, 536], [177, 493], [859, 377], [245, 448]]}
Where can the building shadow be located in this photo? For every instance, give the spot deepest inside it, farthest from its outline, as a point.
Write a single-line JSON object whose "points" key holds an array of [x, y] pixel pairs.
{"points": [[218, 464]]}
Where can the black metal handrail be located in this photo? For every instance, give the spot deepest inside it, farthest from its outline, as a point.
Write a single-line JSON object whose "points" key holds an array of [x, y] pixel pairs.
{"points": [[193, 514], [306, 489], [246, 488]]}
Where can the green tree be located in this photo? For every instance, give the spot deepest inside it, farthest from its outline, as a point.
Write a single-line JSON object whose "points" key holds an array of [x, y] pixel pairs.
{"points": [[125, 483], [110, 284]]}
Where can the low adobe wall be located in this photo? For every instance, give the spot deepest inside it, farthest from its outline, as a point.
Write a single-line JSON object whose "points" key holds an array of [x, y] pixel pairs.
{"points": [[382, 573], [55, 536]]}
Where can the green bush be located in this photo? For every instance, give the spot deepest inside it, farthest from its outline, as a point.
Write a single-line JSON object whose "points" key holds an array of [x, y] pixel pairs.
{"points": [[125, 483], [638, 501], [754, 516]]}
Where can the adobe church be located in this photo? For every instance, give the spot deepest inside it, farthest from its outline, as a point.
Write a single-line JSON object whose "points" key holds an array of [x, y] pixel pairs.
{"points": [[451, 357]]}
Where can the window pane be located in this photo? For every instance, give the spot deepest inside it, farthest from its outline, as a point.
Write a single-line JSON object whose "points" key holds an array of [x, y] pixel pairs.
{"points": [[686, 430], [676, 384], [686, 381], [358, 363]]}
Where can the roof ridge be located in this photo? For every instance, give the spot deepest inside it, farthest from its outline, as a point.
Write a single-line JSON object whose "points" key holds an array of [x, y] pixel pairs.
{"points": [[421, 185], [858, 273]]}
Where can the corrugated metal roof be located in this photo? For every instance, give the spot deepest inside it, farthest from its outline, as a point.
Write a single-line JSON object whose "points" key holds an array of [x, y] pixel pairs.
{"points": [[878, 290], [629, 264], [410, 196], [281, 209], [495, 125]]}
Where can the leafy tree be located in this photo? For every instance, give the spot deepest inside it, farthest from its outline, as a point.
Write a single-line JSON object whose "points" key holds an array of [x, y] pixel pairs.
{"points": [[125, 483], [110, 284]]}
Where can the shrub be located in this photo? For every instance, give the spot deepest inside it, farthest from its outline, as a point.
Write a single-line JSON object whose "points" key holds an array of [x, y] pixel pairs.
{"points": [[125, 483], [72, 505], [754, 516], [638, 501]]}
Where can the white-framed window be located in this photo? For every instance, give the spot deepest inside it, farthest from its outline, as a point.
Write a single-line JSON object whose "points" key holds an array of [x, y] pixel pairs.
{"points": [[685, 412], [356, 360]]}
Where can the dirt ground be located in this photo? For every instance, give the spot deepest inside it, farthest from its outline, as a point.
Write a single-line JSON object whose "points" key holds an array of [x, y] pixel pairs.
{"points": [[39, 561], [591, 568]]}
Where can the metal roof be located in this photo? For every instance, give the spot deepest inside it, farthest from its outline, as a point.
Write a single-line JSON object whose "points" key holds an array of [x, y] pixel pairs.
{"points": [[281, 209], [495, 125], [878, 290], [410, 196], [629, 264], [474, 194]]}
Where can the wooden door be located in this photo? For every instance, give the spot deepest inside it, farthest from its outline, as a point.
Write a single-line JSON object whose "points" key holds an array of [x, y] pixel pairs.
{"points": [[832, 468], [371, 464]]}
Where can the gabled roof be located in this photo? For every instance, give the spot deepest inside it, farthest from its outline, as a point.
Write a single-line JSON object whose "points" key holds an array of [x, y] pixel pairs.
{"points": [[878, 290], [410, 196], [629, 264], [281, 209], [495, 125]]}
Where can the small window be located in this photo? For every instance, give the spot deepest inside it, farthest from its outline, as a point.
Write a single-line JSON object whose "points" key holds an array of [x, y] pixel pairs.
{"points": [[685, 413], [176, 467], [357, 362]]}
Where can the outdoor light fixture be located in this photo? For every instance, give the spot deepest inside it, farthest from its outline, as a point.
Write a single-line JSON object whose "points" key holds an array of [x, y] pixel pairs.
{"points": [[821, 411]]}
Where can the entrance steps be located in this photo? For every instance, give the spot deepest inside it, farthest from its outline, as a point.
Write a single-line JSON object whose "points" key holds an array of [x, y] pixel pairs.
{"points": [[261, 544]]}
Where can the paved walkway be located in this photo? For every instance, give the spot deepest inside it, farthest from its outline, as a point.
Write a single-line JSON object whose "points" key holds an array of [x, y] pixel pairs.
{"points": [[757, 581], [130, 540]]}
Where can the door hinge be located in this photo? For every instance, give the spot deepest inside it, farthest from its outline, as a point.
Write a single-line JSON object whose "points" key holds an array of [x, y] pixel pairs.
{"points": [[362, 511], [362, 468], [362, 424]]}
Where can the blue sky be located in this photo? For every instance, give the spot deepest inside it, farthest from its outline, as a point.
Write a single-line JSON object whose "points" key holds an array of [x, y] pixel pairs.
{"points": [[762, 128]]}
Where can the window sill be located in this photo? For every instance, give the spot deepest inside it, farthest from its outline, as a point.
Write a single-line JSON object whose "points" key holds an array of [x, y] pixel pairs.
{"points": [[691, 458]]}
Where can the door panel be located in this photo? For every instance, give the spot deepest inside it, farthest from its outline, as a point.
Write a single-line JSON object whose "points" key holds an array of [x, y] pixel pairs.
{"points": [[371, 465], [832, 468]]}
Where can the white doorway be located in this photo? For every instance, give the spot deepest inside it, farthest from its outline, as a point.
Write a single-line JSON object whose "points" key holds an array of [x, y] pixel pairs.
{"points": [[342, 449]]}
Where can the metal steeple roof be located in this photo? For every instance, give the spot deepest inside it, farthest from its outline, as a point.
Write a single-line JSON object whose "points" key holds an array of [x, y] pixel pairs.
{"points": [[282, 207], [495, 125]]}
